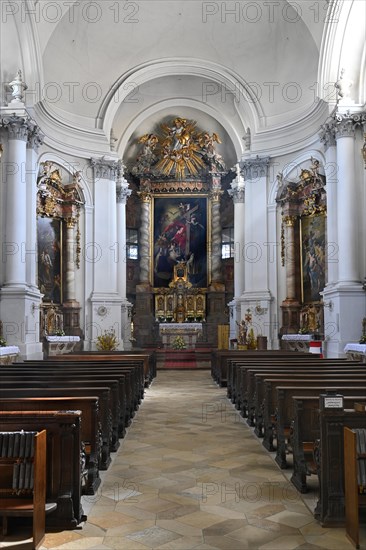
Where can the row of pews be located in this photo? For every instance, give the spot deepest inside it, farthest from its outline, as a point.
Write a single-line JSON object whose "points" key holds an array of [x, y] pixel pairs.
{"points": [[299, 405], [85, 402]]}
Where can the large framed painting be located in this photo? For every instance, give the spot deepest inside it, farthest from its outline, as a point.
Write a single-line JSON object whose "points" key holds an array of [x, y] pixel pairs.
{"points": [[313, 261], [49, 239], [180, 234]]}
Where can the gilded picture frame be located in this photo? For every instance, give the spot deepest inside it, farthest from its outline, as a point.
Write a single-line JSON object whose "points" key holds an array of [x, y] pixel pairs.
{"points": [[49, 243], [313, 257], [180, 232]]}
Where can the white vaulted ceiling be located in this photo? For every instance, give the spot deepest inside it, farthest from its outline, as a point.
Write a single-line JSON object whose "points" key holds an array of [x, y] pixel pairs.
{"points": [[228, 65]]}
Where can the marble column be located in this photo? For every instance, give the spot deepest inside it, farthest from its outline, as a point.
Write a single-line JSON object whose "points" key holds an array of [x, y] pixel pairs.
{"points": [[347, 202], [122, 195], [290, 258], [144, 237], [16, 205], [20, 297], [237, 192], [327, 137], [102, 254], [256, 295], [345, 301], [215, 196]]}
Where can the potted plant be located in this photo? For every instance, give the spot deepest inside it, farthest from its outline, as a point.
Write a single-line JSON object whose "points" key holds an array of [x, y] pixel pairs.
{"points": [[107, 341], [178, 343]]}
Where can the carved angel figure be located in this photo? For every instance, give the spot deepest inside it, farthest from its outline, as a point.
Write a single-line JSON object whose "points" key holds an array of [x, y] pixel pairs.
{"points": [[209, 153], [147, 156]]}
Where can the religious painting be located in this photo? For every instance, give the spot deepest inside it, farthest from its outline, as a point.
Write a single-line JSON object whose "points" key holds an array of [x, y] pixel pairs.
{"points": [[313, 262], [180, 235], [49, 238]]}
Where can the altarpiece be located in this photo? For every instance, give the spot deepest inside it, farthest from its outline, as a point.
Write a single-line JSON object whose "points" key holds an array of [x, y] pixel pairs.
{"points": [[178, 176]]}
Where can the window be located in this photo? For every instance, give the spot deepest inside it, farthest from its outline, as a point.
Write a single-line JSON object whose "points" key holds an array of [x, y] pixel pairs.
{"points": [[227, 243], [132, 244]]}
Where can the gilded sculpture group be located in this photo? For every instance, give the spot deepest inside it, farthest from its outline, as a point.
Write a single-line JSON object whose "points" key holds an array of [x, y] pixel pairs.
{"points": [[180, 152]]}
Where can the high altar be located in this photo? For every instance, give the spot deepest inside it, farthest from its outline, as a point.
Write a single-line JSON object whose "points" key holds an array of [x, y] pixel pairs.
{"points": [[178, 181]]}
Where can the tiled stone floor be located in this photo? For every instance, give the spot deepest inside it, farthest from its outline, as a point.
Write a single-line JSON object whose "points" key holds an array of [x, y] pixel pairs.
{"points": [[190, 474]]}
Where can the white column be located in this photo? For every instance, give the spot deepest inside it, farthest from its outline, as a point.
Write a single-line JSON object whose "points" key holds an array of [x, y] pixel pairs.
{"points": [[20, 297], [256, 295], [122, 195], [237, 192], [16, 205], [106, 302], [34, 141], [347, 203], [105, 226], [327, 137]]}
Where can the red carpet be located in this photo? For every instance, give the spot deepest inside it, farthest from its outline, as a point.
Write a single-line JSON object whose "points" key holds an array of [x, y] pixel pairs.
{"points": [[184, 359]]}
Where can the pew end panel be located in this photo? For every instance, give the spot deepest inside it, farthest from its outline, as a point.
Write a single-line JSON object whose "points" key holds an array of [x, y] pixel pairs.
{"points": [[354, 480], [23, 481]]}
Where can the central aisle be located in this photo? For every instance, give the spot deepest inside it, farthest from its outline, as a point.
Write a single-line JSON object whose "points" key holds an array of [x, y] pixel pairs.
{"points": [[190, 474]]}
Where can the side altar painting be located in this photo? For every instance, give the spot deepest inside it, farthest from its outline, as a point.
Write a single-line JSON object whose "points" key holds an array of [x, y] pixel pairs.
{"points": [[49, 237], [313, 264], [180, 235]]}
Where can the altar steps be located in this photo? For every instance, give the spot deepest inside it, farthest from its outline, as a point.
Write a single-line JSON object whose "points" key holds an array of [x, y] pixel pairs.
{"points": [[183, 359]]}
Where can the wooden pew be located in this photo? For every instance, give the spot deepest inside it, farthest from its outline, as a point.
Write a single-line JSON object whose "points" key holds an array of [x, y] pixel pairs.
{"points": [[90, 432], [285, 411], [129, 380], [305, 434], [265, 393], [242, 389], [220, 360], [104, 405], [233, 365], [46, 383], [122, 358], [63, 460], [330, 509], [355, 480], [23, 481]]}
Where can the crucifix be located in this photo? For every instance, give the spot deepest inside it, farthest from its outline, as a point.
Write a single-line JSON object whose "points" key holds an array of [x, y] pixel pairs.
{"points": [[187, 215]]}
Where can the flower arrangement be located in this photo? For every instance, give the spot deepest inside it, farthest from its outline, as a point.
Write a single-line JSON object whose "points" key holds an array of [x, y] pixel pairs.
{"points": [[363, 339], [251, 340], [107, 341], [178, 343], [3, 342], [59, 332], [304, 330]]}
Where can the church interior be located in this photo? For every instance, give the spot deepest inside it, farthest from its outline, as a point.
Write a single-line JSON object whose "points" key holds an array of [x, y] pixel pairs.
{"points": [[179, 205]]}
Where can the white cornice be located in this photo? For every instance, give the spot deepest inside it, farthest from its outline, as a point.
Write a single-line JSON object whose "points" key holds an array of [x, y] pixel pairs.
{"points": [[69, 138], [291, 137]]}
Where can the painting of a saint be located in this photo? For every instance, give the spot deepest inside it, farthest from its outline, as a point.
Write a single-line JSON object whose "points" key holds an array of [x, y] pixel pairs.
{"points": [[180, 234], [49, 259], [313, 257]]}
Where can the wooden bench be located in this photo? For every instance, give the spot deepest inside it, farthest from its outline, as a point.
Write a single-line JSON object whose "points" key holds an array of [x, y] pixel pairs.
{"points": [[23, 480], [330, 509], [63, 479], [90, 432], [265, 394], [354, 480], [285, 411], [305, 432], [270, 357], [220, 360], [45, 382]]}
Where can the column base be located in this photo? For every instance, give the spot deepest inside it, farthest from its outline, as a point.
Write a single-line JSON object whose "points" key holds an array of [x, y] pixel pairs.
{"points": [[259, 303], [105, 316], [344, 309], [20, 316]]}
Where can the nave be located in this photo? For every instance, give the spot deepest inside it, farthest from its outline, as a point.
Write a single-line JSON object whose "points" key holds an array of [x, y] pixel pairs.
{"points": [[191, 474]]}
